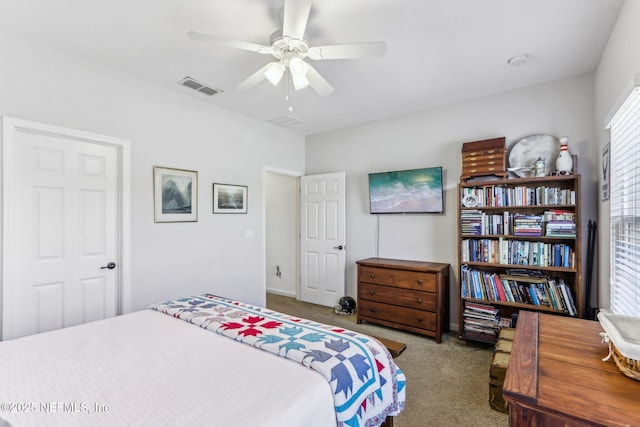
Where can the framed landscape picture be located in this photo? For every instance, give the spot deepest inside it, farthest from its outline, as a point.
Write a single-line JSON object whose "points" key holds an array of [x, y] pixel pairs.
{"points": [[229, 198], [175, 195]]}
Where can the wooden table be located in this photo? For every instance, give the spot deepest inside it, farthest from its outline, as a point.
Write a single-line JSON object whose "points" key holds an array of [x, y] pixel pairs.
{"points": [[556, 376]]}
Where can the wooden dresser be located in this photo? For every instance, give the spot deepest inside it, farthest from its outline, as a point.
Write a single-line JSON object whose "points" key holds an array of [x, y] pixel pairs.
{"points": [[408, 295], [556, 376]]}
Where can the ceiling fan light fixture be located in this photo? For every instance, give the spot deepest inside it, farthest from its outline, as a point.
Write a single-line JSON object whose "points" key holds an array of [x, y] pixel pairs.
{"points": [[298, 70], [274, 72], [299, 82]]}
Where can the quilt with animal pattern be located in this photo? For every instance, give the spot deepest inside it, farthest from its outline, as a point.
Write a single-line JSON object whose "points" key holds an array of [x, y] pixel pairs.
{"points": [[367, 385]]}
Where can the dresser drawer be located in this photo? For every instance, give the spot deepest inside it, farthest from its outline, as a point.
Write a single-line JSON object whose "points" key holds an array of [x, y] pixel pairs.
{"points": [[406, 298], [496, 153], [399, 278], [482, 169], [400, 315]]}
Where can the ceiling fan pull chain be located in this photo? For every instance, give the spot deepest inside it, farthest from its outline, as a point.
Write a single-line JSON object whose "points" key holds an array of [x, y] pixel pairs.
{"points": [[287, 86]]}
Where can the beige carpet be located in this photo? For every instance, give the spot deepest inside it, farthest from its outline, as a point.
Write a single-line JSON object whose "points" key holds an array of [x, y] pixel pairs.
{"points": [[447, 383]]}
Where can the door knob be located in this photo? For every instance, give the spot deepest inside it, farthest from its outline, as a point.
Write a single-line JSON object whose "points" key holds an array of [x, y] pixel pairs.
{"points": [[339, 247], [110, 266]]}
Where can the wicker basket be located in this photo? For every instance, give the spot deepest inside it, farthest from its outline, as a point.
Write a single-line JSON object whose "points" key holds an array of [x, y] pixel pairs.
{"points": [[622, 333], [629, 367]]}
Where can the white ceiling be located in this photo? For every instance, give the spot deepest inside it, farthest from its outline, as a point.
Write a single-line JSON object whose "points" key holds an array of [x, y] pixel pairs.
{"points": [[439, 51]]}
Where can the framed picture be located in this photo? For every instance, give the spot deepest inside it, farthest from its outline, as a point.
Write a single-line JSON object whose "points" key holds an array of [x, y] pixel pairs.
{"points": [[604, 179], [229, 198], [175, 195]]}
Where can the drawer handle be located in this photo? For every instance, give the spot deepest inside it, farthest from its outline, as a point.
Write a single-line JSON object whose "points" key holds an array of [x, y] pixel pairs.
{"points": [[419, 300], [420, 282], [419, 319], [372, 292], [372, 275]]}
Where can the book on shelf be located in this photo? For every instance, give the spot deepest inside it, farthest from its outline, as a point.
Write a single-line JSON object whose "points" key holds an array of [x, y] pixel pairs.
{"points": [[538, 291], [560, 228], [527, 225], [481, 318], [474, 222], [559, 215], [524, 272], [504, 196], [517, 252], [484, 319]]}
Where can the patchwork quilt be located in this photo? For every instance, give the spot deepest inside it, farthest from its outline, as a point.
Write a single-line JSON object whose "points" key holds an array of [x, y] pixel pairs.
{"points": [[367, 385]]}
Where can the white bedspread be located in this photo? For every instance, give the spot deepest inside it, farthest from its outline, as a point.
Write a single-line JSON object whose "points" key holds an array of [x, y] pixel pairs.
{"points": [[148, 369]]}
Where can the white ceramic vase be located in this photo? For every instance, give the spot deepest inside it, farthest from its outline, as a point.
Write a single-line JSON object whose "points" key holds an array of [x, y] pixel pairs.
{"points": [[564, 162]]}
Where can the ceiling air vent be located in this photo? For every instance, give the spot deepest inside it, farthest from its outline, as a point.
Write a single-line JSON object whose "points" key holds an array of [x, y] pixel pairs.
{"points": [[200, 87], [285, 121]]}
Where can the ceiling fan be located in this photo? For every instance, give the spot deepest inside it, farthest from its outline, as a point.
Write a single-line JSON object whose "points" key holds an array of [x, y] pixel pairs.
{"points": [[290, 49]]}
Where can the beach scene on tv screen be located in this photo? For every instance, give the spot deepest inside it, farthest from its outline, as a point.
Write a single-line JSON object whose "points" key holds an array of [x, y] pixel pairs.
{"points": [[410, 191]]}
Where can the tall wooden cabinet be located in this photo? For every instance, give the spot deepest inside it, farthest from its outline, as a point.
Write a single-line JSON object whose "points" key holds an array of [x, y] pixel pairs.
{"points": [[408, 295], [519, 248]]}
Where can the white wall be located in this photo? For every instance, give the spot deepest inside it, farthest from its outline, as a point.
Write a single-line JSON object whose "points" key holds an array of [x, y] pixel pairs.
{"points": [[169, 129], [619, 63], [434, 138]]}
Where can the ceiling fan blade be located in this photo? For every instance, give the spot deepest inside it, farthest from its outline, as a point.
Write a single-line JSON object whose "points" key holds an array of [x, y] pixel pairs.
{"points": [[296, 14], [254, 79], [317, 82], [346, 51], [221, 41]]}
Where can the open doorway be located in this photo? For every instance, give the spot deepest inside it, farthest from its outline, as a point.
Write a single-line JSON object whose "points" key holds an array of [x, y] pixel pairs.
{"points": [[282, 232]]}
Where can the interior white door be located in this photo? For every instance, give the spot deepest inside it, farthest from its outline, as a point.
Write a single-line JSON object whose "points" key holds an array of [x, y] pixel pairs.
{"points": [[61, 243], [322, 244]]}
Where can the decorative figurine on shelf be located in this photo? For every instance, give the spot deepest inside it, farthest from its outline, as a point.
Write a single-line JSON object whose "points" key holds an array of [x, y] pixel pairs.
{"points": [[539, 167], [564, 162]]}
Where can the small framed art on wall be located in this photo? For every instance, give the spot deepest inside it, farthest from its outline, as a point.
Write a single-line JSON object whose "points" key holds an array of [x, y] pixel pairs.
{"points": [[228, 198]]}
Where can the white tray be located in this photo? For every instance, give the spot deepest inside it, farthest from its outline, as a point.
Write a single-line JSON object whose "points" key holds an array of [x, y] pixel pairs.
{"points": [[623, 332]]}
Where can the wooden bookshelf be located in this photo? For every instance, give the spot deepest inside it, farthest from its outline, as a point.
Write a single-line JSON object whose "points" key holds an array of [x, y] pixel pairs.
{"points": [[519, 248]]}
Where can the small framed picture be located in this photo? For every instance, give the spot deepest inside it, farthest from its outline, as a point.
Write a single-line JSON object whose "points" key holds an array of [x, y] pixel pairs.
{"points": [[175, 195], [229, 198]]}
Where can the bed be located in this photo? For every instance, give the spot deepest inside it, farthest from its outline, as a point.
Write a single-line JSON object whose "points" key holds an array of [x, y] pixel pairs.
{"points": [[201, 360]]}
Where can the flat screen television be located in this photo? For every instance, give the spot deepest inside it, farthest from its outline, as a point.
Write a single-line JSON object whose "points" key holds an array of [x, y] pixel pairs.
{"points": [[407, 191]]}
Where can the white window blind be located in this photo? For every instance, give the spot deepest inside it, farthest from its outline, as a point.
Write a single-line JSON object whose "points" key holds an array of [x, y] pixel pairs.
{"points": [[625, 206]]}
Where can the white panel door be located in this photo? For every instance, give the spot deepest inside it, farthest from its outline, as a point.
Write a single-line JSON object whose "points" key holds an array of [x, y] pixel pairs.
{"points": [[62, 207], [322, 244]]}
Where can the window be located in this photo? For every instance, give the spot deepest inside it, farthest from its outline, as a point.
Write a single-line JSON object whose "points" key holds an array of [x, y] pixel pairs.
{"points": [[625, 206]]}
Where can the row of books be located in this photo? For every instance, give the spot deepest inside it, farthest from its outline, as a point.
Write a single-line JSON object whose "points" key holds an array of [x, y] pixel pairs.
{"points": [[484, 319], [501, 196], [549, 292], [518, 252], [560, 229], [475, 222], [527, 225]]}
